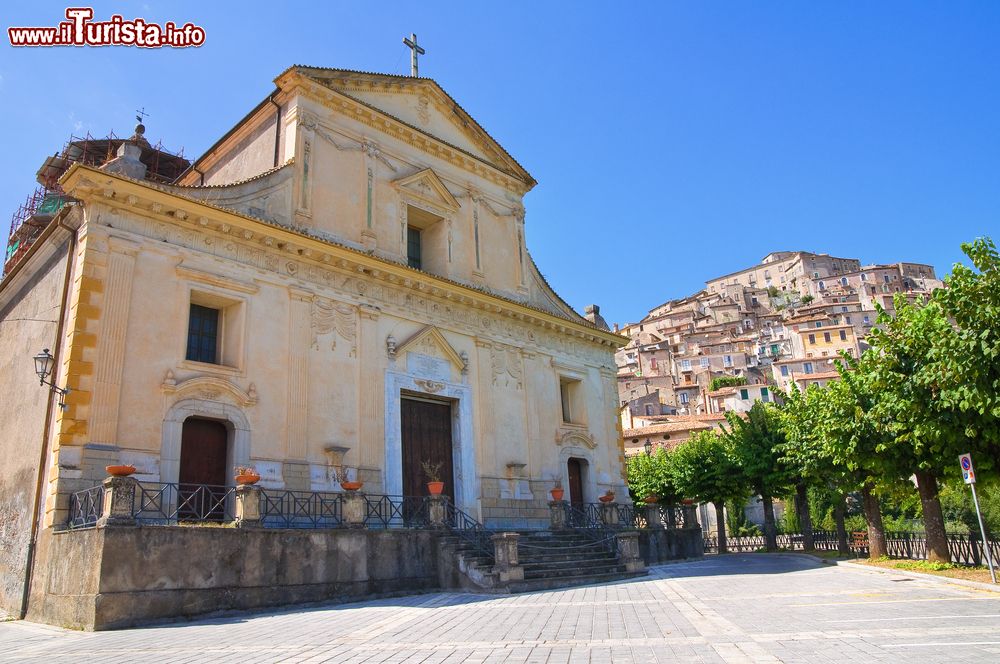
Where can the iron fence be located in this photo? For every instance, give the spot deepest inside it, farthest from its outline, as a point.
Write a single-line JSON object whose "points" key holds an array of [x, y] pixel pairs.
{"points": [[469, 529], [301, 509], [165, 503], [964, 549], [396, 512], [584, 520], [85, 507]]}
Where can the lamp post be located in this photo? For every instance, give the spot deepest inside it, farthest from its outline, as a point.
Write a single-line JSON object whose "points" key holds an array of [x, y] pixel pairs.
{"points": [[648, 447], [43, 367]]}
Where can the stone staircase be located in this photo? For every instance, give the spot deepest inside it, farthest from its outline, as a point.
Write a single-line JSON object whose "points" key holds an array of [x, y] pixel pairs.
{"points": [[549, 559]]}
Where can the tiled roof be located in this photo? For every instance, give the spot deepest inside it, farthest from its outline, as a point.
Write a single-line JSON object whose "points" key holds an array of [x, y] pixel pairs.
{"points": [[667, 427]]}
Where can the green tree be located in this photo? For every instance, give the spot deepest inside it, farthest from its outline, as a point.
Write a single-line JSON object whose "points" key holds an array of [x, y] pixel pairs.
{"points": [[650, 475], [925, 436], [705, 468], [757, 441]]}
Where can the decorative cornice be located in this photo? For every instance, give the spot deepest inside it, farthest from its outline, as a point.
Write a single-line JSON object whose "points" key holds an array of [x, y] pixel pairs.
{"points": [[209, 388]]}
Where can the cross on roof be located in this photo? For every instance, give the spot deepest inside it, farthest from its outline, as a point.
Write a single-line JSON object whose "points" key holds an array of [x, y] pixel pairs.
{"points": [[414, 51], [141, 113]]}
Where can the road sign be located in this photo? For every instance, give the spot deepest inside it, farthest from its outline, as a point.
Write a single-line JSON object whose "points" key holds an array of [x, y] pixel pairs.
{"points": [[968, 473]]}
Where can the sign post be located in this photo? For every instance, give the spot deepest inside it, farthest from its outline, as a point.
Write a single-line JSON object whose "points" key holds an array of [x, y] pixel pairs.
{"points": [[969, 475]]}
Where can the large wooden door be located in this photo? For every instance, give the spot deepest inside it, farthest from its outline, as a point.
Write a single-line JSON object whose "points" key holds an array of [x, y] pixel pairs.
{"points": [[426, 428], [574, 468], [204, 447]]}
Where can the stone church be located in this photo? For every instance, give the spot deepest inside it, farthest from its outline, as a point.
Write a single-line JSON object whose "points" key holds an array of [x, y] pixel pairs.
{"points": [[341, 280]]}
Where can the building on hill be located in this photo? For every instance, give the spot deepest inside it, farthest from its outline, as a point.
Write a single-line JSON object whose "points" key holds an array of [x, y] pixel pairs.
{"points": [[773, 322], [341, 281]]}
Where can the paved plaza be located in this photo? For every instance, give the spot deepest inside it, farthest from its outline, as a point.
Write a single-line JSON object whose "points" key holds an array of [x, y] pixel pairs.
{"points": [[740, 608]]}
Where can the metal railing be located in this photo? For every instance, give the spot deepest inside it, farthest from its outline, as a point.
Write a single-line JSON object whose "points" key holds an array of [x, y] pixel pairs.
{"points": [[163, 503], [85, 507], [964, 549], [584, 520], [468, 529], [396, 512], [301, 509]]}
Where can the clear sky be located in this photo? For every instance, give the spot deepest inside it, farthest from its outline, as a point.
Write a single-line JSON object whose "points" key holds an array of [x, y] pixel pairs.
{"points": [[672, 142]]}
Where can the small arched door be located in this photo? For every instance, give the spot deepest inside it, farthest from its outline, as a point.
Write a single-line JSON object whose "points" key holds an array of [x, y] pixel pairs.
{"points": [[204, 457], [574, 471]]}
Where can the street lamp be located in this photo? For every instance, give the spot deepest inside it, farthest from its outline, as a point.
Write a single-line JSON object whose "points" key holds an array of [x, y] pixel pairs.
{"points": [[43, 368], [649, 447]]}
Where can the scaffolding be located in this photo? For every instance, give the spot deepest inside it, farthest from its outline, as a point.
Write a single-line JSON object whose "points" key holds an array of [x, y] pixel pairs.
{"points": [[31, 218]]}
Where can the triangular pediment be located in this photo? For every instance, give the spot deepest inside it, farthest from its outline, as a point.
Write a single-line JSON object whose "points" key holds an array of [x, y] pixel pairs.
{"points": [[423, 105], [429, 341], [427, 187]]}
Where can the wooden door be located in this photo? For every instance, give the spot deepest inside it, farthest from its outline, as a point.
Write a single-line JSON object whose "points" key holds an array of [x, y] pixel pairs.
{"points": [[574, 469], [426, 428], [204, 446]]}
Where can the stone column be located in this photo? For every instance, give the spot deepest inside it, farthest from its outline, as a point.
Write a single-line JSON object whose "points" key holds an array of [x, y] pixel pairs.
{"points": [[628, 551], [119, 502], [506, 564], [436, 511], [653, 516], [248, 512], [355, 509], [690, 516], [609, 514], [371, 393], [557, 515]]}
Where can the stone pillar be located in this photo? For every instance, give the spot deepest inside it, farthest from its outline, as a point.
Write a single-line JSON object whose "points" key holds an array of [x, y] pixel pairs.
{"points": [[355, 509], [653, 520], [609, 514], [248, 512], [506, 564], [557, 515], [690, 516], [436, 511], [628, 551], [119, 502]]}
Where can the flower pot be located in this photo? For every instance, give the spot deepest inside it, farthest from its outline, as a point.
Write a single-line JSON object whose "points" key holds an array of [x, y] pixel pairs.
{"points": [[351, 486], [435, 488], [247, 478], [557, 494], [651, 498], [607, 498], [123, 470], [687, 501]]}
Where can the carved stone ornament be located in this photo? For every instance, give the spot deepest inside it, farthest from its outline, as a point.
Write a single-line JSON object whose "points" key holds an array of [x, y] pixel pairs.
{"points": [[430, 386], [582, 438], [326, 316], [508, 370], [390, 345], [210, 388]]}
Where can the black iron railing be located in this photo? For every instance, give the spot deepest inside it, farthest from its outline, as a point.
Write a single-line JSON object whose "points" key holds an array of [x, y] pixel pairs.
{"points": [[162, 503], [85, 507], [585, 521], [301, 509], [965, 549], [396, 511], [468, 529]]}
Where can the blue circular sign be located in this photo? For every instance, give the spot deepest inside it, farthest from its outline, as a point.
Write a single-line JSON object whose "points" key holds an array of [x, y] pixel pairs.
{"points": [[966, 463]]}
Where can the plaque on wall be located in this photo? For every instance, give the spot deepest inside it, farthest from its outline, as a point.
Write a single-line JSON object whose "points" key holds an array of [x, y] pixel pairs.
{"points": [[426, 366]]}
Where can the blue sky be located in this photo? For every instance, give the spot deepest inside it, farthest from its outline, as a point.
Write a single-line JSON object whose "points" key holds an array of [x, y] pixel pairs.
{"points": [[672, 142]]}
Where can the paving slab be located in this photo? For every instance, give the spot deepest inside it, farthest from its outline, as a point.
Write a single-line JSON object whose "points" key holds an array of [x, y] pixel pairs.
{"points": [[733, 608]]}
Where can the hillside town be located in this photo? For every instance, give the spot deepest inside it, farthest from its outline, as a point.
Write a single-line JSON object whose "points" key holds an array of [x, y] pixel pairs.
{"points": [[750, 336]]}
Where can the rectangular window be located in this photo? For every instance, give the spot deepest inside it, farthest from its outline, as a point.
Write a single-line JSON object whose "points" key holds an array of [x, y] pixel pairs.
{"points": [[843, 335], [413, 247], [812, 339], [774, 349], [744, 394], [807, 367], [764, 396], [203, 334], [727, 360], [843, 310], [685, 365], [684, 397], [866, 320], [704, 363], [784, 370], [819, 324], [565, 392], [826, 337], [847, 319]]}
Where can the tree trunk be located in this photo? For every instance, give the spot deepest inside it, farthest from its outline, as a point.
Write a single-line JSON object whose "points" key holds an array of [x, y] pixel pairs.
{"points": [[876, 531], [839, 513], [770, 530], [805, 519], [720, 519], [937, 540]]}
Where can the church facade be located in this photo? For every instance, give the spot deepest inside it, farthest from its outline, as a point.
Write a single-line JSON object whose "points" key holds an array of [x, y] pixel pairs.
{"points": [[341, 281]]}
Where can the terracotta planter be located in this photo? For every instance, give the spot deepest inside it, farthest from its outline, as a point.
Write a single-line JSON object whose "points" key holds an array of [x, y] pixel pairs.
{"points": [[248, 478], [435, 488], [557, 494], [123, 470], [351, 486], [687, 501], [651, 498], [606, 498]]}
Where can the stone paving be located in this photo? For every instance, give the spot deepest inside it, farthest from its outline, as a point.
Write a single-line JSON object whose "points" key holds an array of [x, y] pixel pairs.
{"points": [[738, 608]]}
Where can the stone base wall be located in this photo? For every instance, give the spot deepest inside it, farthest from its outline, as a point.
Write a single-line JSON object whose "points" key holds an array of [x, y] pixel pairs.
{"points": [[657, 546], [115, 577]]}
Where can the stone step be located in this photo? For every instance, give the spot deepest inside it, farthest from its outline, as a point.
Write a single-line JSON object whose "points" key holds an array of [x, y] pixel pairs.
{"points": [[561, 572], [568, 581], [575, 564], [553, 556]]}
